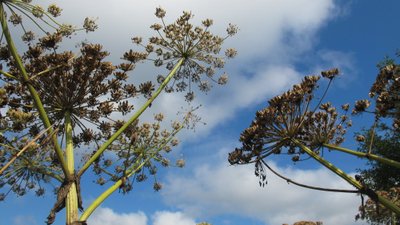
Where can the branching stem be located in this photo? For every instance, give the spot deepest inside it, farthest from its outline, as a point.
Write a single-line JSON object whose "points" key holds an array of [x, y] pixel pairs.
{"points": [[132, 119], [99, 200], [384, 201], [369, 156]]}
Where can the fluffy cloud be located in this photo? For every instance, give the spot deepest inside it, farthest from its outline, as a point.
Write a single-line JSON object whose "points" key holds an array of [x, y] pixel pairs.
{"points": [[263, 23], [172, 218], [216, 190], [106, 216]]}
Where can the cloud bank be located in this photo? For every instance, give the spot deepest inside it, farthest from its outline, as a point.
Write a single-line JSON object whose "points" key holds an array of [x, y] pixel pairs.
{"points": [[106, 216], [223, 189]]}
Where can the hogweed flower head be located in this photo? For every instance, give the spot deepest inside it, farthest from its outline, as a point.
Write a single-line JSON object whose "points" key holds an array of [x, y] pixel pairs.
{"points": [[86, 86], [195, 44], [290, 116]]}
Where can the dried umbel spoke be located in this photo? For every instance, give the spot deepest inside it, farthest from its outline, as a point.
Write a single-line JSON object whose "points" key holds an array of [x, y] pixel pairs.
{"points": [[196, 44], [20, 10], [291, 116], [146, 143]]}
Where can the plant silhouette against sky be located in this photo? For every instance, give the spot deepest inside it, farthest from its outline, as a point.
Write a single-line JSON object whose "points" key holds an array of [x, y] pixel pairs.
{"points": [[293, 124], [57, 103]]}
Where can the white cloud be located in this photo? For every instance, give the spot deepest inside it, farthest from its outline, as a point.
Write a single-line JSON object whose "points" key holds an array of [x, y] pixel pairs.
{"points": [[106, 216], [222, 189], [172, 218], [343, 61]]}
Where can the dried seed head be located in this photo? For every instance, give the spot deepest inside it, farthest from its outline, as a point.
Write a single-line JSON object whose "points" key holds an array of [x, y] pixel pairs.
{"points": [[66, 30], [288, 117], [137, 40], [346, 106], [54, 10], [157, 186], [330, 74], [15, 19], [38, 11], [174, 142], [207, 22], [28, 36], [89, 24], [197, 46], [232, 29], [360, 138], [230, 52], [159, 117], [361, 106], [180, 163], [160, 13]]}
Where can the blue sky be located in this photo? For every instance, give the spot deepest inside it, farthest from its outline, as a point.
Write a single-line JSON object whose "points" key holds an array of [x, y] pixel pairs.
{"points": [[279, 42]]}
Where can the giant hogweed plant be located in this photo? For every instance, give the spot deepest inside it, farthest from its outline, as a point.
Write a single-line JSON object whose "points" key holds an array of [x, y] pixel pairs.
{"points": [[296, 125], [56, 104]]}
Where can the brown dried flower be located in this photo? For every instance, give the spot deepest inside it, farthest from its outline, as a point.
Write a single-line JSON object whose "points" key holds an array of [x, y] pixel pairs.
{"points": [[330, 74], [289, 117], [361, 106], [196, 45], [386, 92]]}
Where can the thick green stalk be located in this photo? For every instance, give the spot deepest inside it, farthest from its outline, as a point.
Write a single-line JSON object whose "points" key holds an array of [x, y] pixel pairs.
{"points": [[33, 92], [388, 204], [71, 202], [383, 160], [97, 202], [132, 119]]}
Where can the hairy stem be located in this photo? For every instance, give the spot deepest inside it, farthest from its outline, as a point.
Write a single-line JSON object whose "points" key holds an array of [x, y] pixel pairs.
{"points": [[384, 201], [33, 92], [383, 160], [131, 120]]}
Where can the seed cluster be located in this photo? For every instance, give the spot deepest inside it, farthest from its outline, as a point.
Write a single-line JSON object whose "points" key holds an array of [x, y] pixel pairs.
{"points": [[291, 116], [195, 44], [141, 144], [386, 91], [86, 86]]}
